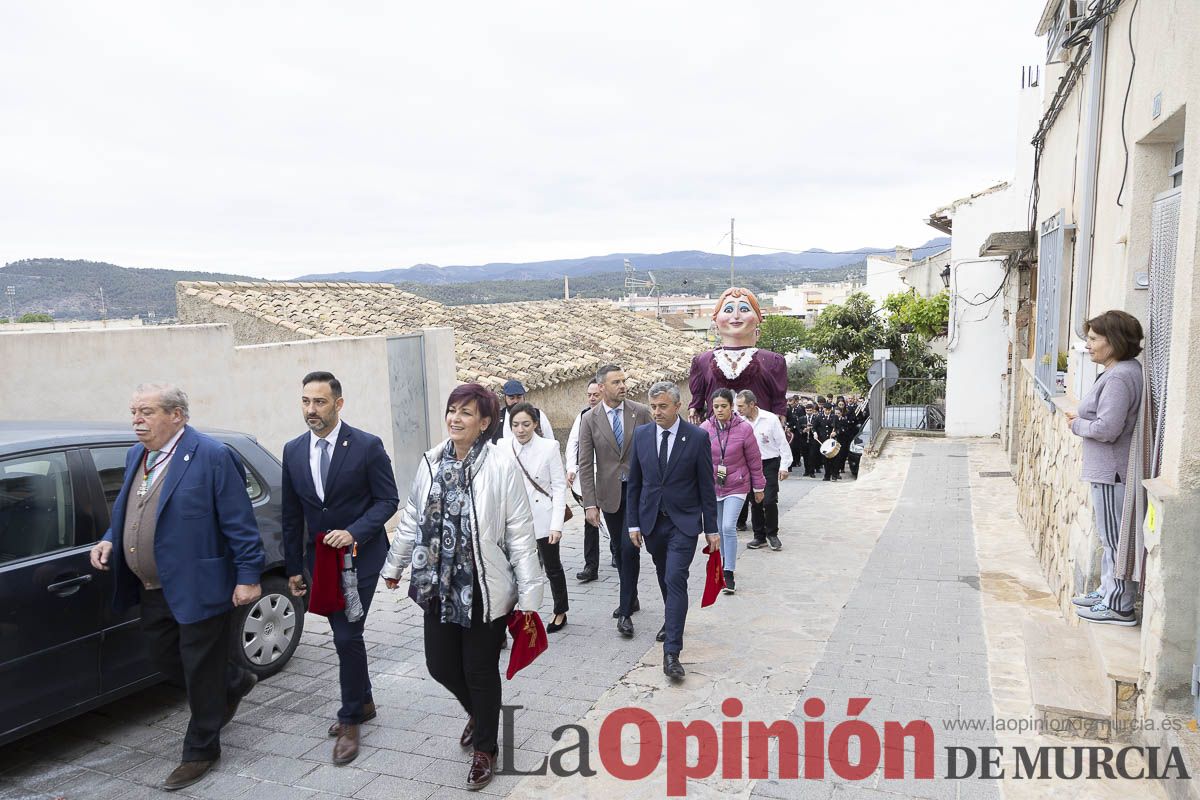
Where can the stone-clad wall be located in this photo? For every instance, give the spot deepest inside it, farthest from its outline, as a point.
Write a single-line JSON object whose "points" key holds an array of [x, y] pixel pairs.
{"points": [[1055, 504]]}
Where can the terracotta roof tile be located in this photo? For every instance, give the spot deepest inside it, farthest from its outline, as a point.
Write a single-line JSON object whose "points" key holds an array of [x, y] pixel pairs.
{"points": [[540, 342]]}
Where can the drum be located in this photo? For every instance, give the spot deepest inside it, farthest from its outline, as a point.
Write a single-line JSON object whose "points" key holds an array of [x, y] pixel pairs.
{"points": [[831, 447]]}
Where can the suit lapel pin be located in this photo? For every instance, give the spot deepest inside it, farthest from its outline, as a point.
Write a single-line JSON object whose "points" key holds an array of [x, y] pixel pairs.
{"points": [[345, 442], [187, 457]]}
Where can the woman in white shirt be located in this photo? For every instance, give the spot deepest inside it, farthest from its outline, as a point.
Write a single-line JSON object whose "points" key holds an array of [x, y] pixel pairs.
{"points": [[541, 466]]}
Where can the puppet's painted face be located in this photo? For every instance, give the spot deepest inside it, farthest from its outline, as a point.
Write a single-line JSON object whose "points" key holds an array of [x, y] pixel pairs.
{"points": [[736, 319]]}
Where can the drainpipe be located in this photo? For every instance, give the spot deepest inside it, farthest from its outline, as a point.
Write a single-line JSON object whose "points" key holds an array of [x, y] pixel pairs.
{"points": [[1087, 216]]}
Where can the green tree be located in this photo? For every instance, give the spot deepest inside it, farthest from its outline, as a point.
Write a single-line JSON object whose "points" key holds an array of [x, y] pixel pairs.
{"points": [[847, 335], [782, 335], [802, 374], [32, 317], [926, 316], [829, 383]]}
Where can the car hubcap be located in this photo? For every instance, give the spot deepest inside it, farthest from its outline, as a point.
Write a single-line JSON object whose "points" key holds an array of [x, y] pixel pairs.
{"points": [[268, 629]]}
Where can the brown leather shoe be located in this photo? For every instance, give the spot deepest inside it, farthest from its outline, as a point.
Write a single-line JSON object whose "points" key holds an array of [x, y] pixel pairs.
{"points": [[468, 734], [188, 773], [368, 715], [481, 770], [345, 749]]}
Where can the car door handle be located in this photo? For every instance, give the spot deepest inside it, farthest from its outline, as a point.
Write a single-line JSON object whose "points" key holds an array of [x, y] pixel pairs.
{"points": [[69, 586]]}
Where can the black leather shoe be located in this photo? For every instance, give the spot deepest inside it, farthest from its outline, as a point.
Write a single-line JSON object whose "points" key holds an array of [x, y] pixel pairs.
{"points": [[661, 636], [231, 705], [636, 607], [186, 774], [586, 576], [555, 627], [625, 626], [672, 668]]}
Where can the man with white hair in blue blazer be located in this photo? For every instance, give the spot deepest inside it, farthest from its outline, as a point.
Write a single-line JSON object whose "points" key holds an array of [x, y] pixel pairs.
{"points": [[183, 542]]}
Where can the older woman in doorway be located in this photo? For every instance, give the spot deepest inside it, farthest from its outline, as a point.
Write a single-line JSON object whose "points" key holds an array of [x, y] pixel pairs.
{"points": [[541, 466], [468, 533], [1105, 421]]}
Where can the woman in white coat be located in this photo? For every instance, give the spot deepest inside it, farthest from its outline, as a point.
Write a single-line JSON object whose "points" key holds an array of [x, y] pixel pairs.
{"points": [[541, 465]]}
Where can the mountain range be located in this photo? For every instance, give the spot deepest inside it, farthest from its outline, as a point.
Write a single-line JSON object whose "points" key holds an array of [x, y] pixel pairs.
{"points": [[93, 289], [615, 262]]}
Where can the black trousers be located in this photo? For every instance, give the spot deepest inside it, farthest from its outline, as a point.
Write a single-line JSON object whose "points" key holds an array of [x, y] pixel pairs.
{"points": [[591, 544], [764, 516], [797, 446], [552, 564], [197, 657], [467, 662], [352, 655], [812, 457], [843, 453], [630, 557]]}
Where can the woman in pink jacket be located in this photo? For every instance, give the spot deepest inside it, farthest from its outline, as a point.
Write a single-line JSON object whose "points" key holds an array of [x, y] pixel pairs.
{"points": [[737, 470]]}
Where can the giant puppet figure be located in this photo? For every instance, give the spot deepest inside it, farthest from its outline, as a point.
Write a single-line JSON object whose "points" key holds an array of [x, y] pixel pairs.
{"points": [[738, 364]]}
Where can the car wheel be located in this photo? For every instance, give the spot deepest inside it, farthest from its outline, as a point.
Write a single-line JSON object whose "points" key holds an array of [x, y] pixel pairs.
{"points": [[267, 631]]}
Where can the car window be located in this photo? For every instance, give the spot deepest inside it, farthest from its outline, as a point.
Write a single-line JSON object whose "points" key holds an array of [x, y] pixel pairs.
{"points": [[110, 463], [37, 506], [254, 486]]}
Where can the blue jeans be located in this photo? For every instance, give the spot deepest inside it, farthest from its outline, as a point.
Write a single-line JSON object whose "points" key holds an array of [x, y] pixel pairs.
{"points": [[728, 509]]}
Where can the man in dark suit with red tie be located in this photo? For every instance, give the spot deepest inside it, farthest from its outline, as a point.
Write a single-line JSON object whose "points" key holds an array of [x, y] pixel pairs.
{"points": [[338, 482], [671, 500]]}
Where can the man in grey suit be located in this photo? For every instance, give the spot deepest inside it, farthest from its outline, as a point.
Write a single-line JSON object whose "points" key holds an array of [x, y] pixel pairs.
{"points": [[605, 445]]}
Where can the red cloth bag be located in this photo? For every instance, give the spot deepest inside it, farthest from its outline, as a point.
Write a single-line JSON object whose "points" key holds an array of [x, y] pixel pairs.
{"points": [[326, 596], [529, 640], [714, 579]]}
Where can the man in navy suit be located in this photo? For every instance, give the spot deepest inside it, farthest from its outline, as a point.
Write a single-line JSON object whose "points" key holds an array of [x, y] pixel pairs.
{"points": [[671, 500], [338, 481], [183, 542]]}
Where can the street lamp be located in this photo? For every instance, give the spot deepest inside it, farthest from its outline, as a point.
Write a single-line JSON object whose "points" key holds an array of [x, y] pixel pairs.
{"points": [[946, 276]]}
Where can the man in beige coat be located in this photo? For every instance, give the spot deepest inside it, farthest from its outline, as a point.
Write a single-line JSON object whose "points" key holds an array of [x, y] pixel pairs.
{"points": [[605, 444]]}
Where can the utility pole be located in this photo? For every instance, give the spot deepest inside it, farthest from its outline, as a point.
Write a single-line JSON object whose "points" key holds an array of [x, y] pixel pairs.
{"points": [[731, 252], [11, 291], [103, 305], [566, 288]]}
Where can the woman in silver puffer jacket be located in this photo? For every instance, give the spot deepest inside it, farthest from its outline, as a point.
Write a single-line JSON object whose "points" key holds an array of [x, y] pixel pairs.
{"points": [[467, 532]]}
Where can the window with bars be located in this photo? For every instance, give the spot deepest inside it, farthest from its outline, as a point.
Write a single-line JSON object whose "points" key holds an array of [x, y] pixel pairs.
{"points": [[1164, 245], [1049, 305]]}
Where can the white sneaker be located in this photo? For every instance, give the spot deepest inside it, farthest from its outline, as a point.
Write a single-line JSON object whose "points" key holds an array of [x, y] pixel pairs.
{"points": [[1104, 615], [1087, 600]]}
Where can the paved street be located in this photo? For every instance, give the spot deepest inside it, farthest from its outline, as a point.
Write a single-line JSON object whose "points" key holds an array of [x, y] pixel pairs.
{"points": [[876, 594]]}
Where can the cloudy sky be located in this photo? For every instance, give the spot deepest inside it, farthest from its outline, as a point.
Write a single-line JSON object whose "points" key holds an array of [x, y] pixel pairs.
{"points": [[296, 137]]}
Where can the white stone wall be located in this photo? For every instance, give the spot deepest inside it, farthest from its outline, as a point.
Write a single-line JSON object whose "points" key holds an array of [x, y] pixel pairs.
{"points": [[90, 375]]}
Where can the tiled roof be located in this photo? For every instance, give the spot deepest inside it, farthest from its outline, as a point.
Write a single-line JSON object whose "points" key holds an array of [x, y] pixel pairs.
{"points": [[540, 343]]}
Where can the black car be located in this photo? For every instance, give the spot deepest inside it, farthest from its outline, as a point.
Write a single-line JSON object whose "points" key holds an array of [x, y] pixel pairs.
{"points": [[63, 650]]}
